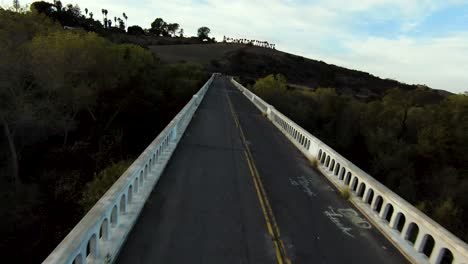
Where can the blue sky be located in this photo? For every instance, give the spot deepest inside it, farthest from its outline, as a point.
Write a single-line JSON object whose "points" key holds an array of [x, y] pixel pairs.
{"points": [[414, 41]]}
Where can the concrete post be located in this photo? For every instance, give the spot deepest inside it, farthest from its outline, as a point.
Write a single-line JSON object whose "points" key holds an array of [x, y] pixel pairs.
{"points": [[405, 229], [419, 241], [383, 210], [174, 131], [268, 113], [435, 253], [366, 192], [394, 219]]}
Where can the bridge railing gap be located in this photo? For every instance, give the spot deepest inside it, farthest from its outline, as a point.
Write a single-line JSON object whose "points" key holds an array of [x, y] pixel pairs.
{"points": [[417, 236], [98, 237]]}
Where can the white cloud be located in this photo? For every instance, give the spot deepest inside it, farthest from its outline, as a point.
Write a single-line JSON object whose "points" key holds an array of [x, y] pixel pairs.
{"points": [[441, 63], [321, 29]]}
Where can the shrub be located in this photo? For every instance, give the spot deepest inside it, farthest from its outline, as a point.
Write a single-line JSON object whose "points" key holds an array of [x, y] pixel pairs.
{"points": [[101, 183]]}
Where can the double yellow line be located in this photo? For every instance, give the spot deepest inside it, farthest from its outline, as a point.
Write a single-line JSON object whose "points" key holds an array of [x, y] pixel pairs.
{"points": [[272, 226]]}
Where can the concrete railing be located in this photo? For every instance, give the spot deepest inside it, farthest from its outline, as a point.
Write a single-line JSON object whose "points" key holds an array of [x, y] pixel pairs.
{"points": [[417, 236], [98, 237]]}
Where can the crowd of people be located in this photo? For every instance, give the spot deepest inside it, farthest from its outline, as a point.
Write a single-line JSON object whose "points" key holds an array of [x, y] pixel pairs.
{"points": [[253, 42]]}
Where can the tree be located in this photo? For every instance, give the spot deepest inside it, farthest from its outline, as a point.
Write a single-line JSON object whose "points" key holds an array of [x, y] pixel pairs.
{"points": [[181, 33], [121, 24], [172, 28], [271, 84], [20, 111], [135, 30], [159, 27], [16, 5], [42, 8], [57, 68], [126, 18], [59, 6], [104, 14], [86, 11], [203, 33], [101, 183], [91, 15], [74, 10]]}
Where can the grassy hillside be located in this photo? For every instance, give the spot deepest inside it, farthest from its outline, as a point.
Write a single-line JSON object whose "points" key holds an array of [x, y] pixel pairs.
{"points": [[203, 54], [251, 63]]}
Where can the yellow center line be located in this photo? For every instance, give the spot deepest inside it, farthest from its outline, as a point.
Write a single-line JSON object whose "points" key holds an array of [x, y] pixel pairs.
{"points": [[270, 221]]}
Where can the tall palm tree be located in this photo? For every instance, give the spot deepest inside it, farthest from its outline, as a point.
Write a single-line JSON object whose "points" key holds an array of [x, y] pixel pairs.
{"points": [[86, 11], [104, 17], [126, 18]]}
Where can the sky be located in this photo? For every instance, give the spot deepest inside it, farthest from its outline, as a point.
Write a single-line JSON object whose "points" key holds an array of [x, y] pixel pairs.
{"points": [[413, 41]]}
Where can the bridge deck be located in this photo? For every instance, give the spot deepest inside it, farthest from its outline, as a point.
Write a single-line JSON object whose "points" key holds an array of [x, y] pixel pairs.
{"points": [[206, 207]]}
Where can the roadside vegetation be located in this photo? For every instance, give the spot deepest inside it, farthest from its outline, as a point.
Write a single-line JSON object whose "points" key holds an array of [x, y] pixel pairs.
{"points": [[75, 109], [314, 163], [345, 192], [414, 143]]}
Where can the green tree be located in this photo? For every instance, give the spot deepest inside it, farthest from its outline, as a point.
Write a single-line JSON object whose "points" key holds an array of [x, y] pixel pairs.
{"points": [[158, 27], [270, 84], [172, 28], [104, 17], [75, 10], [19, 110], [135, 30], [16, 5], [101, 183], [61, 63], [42, 7], [203, 33], [121, 24], [126, 18], [58, 5]]}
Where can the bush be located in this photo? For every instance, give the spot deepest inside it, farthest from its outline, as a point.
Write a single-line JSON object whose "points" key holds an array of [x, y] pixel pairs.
{"points": [[135, 30], [101, 183]]}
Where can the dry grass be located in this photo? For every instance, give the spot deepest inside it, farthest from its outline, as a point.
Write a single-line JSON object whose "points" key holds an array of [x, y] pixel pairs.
{"points": [[345, 192], [314, 162], [197, 53]]}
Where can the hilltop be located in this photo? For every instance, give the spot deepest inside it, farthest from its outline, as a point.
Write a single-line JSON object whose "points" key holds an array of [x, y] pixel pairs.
{"points": [[251, 63]]}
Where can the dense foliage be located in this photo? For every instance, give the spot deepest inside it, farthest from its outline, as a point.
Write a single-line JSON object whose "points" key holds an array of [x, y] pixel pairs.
{"points": [[75, 108], [411, 141]]}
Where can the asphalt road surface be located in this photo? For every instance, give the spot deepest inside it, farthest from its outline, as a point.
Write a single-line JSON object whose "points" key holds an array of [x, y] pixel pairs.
{"points": [[237, 191]]}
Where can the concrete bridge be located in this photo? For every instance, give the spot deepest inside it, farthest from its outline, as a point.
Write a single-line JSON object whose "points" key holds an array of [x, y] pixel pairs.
{"points": [[232, 180]]}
